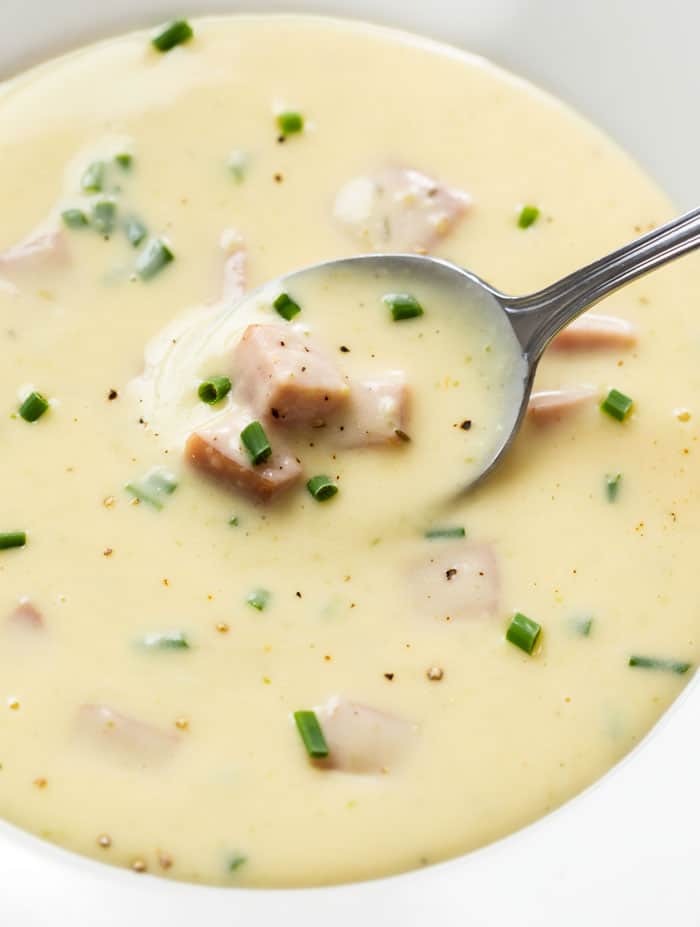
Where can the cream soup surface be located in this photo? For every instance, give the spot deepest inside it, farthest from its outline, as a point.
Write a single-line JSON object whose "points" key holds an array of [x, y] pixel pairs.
{"points": [[156, 642]]}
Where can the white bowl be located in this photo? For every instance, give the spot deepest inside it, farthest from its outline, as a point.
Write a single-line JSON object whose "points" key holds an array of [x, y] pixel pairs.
{"points": [[626, 850]]}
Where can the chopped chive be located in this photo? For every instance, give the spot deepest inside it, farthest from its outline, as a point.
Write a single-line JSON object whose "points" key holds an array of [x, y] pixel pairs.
{"points": [[124, 160], [321, 487], [154, 257], [233, 521], [582, 626], [403, 306], [33, 407], [214, 390], [258, 599], [617, 405], [153, 487], [434, 534], [104, 213], [93, 177], [670, 666], [612, 485], [238, 164], [236, 862], [523, 632], [136, 231], [286, 307], [9, 539], [74, 218], [528, 216], [255, 441], [311, 734], [290, 122], [171, 34], [166, 640]]}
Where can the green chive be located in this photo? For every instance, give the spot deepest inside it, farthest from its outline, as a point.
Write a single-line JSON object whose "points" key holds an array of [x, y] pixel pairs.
{"points": [[93, 177], [653, 663], [311, 734], [286, 307], [403, 306], [523, 632], [213, 390], [528, 216], [9, 539], [255, 441], [617, 405], [153, 487], [434, 534], [124, 160], [33, 407], [290, 122], [321, 487], [233, 521], [74, 218], [154, 257], [104, 213], [238, 164], [171, 34], [582, 626], [136, 231], [166, 640], [236, 862], [612, 485], [258, 599]]}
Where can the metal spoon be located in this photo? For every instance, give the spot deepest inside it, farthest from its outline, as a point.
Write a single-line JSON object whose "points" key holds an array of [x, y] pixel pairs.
{"points": [[537, 318]]}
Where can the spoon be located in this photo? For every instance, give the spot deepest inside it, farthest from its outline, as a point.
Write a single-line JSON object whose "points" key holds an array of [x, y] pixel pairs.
{"points": [[536, 319]]}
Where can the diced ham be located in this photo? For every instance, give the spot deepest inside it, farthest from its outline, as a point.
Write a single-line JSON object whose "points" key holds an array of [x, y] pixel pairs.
{"points": [[128, 739], [37, 250], [362, 739], [551, 405], [235, 266], [592, 332], [217, 450], [377, 412], [455, 580], [235, 277], [399, 209], [282, 374], [27, 616]]}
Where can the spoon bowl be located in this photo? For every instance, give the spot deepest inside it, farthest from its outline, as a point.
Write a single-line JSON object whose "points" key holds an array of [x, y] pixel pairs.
{"points": [[535, 319]]}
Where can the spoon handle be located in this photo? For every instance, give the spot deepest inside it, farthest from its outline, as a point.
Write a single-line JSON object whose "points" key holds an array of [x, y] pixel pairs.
{"points": [[539, 317]]}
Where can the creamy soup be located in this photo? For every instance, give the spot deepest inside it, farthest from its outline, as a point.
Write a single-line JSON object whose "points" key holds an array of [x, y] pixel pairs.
{"points": [[250, 632]]}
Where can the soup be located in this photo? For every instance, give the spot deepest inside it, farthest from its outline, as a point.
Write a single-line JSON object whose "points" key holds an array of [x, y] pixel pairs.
{"points": [[252, 633]]}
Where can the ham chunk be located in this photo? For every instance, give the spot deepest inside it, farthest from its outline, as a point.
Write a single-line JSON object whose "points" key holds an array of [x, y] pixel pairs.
{"points": [[282, 374], [455, 581], [552, 405], [216, 449], [362, 739], [26, 616], [399, 209], [125, 738], [377, 412], [593, 332], [38, 250]]}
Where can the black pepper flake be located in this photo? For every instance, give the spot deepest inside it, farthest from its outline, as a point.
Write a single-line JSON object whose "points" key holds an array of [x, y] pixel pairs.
{"points": [[389, 676], [278, 178], [450, 573], [275, 413], [401, 435], [298, 595], [281, 139], [344, 349], [112, 394], [466, 424]]}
